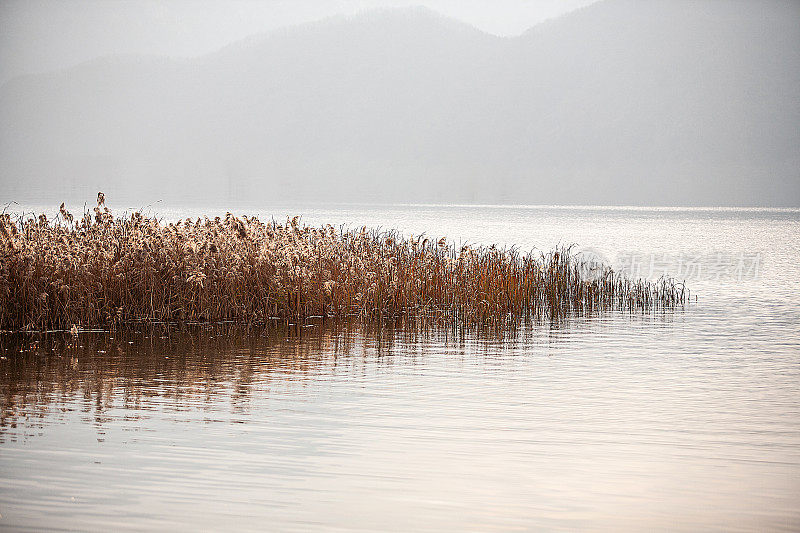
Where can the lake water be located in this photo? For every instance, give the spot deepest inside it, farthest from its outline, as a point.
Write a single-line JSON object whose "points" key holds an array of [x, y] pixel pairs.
{"points": [[680, 421]]}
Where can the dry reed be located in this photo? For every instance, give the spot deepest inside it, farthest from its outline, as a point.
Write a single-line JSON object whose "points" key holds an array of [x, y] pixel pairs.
{"points": [[99, 271]]}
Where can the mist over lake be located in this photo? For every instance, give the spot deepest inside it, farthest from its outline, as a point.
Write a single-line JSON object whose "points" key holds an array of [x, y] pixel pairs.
{"points": [[618, 103]]}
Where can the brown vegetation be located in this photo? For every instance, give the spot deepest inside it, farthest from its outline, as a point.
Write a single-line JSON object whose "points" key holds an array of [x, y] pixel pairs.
{"points": [[101, 270]]}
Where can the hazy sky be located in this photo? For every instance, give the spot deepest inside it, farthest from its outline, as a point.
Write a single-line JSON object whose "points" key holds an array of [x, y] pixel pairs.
{"points": [[42, 35], [657, 102]]}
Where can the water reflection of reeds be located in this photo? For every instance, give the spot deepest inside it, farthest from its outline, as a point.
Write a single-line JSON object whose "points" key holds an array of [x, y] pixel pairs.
{"points": [[194, 365], [179, 367]]}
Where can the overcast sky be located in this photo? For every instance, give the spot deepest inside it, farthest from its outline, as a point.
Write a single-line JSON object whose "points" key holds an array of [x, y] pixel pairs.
{"points": [[42, 35], [667, 102]]}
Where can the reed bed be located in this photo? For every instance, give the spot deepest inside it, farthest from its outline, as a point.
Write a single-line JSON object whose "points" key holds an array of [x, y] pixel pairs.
{"points": [[101, 270]]}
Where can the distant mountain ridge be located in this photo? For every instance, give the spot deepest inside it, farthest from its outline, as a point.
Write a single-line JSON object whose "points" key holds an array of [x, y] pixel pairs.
{"points": [[679, 102]]}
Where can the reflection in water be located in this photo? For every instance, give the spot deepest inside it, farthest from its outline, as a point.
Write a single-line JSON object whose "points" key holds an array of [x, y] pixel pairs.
{"points": [[201, 366], [190, 366], [574, 425]]}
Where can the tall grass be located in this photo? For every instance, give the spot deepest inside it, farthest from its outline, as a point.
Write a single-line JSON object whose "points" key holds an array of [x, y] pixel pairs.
{"points": [[100, 270]]}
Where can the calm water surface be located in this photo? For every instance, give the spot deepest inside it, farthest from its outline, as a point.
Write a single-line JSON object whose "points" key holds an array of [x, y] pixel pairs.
{"points": [[682, 421]]}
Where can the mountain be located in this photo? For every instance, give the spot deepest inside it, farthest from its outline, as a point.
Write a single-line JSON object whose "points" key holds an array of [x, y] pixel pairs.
{"points": [[673, 102]]}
